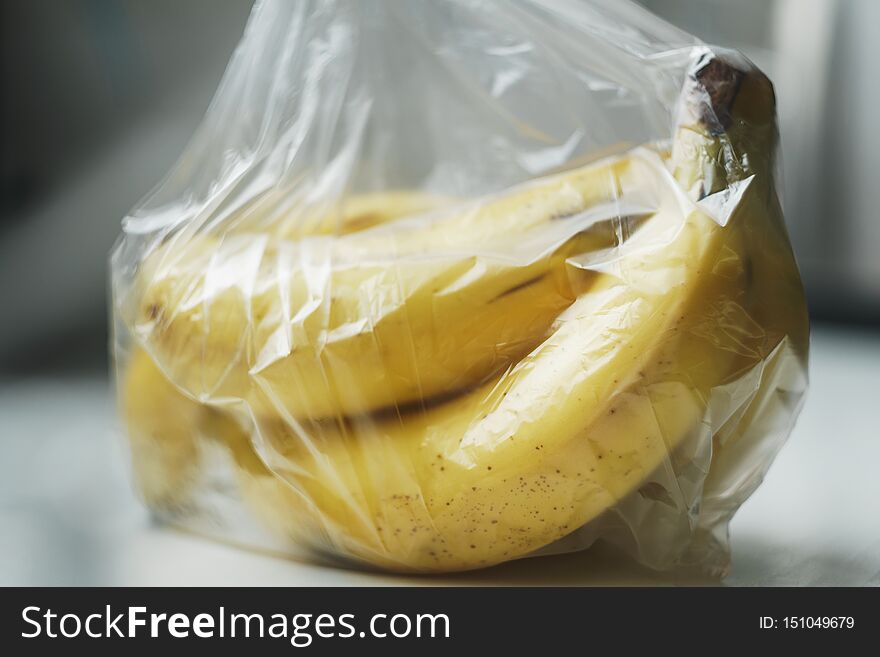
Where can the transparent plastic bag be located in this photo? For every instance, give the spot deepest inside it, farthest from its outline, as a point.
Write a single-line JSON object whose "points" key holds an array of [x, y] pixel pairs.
{"points": [[437, 285]]}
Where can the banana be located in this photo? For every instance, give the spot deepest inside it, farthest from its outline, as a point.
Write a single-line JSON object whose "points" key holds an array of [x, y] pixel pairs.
{"points": [[168, 434], [289, 217], [166, 429], [382, 318], [163, 434], [586, 417], [624, 371]]}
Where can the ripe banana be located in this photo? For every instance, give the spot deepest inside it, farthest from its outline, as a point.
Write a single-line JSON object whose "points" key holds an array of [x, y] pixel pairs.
{"points": [[166, 429], [587, 416], [283, 216], [163, 429], [704, 290], [383, 318]]}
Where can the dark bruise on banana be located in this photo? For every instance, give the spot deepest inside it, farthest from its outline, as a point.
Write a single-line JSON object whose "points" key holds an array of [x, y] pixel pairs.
{"points": [[487, 413]]}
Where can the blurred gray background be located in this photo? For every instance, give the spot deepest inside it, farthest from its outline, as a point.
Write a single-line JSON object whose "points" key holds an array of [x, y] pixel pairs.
{"points": [[99, 98]]}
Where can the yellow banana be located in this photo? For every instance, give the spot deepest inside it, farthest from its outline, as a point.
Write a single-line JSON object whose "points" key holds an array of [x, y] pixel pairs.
{"points": [[166, 429], [703, 291], [163, 433], [168, 434], [585, 418], [289, 217], [382, 318]]}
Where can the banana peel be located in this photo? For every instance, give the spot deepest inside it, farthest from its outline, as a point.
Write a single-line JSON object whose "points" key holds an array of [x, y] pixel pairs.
{"points": [[573, 428], [384, 317], [703, 291]]}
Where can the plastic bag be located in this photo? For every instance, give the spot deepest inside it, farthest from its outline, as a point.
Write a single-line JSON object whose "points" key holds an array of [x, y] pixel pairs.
{"points": [[437, 285]]}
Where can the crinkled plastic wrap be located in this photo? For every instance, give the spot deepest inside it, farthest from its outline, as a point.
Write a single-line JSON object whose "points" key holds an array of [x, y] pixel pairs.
{"points": [[438, 285]]}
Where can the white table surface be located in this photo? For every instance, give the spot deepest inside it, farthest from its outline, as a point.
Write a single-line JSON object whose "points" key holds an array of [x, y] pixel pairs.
{"points": [[68, 515]]}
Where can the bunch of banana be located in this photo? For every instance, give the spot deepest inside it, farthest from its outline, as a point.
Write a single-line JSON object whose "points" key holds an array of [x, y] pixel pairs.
{"points": [[443, 413], [167, 430], [385, 317]]}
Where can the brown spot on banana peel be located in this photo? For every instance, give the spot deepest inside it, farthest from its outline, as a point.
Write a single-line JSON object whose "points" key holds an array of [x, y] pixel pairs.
{"points": [[715, 88], [749, 270], [724, 100], [518, 287], [363, 221], [658, 493]]}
